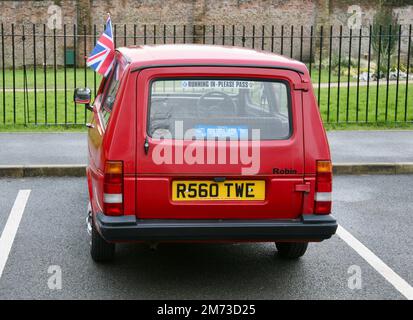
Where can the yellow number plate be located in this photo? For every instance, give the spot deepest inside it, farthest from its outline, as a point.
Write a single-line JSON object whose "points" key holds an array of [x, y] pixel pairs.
{"points": [[191, 190]]}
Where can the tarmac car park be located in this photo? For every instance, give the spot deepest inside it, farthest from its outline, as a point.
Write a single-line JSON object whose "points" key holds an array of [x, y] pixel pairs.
{"points": [[44, 243], [208, 127]]}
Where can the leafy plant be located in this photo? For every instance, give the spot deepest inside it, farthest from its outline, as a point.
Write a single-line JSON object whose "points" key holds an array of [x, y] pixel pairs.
{"points": [[385, 32], [343, 63]]}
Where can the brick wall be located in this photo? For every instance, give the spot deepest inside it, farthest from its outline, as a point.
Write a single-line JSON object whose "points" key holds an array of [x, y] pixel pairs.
{"points": [[243, 14]]}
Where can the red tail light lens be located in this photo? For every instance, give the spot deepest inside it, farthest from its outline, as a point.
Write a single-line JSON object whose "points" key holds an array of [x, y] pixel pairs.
{"points": [[113, 188], [324, 182]]}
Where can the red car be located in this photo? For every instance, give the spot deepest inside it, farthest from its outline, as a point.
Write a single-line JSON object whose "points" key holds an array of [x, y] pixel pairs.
{"points": [[206, 143]]}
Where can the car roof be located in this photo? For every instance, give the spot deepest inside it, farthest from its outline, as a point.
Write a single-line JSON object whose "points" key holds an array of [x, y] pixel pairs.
{"points": [[198, 54]]}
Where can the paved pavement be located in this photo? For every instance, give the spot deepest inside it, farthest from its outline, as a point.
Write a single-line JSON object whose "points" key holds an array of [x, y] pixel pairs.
{"points": [[371, 146], [70, 148], [43, 148], [375, 209]]}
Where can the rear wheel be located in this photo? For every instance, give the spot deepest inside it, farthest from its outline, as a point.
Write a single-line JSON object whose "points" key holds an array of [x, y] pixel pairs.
{"points": [[100, 249], [291, 250]]}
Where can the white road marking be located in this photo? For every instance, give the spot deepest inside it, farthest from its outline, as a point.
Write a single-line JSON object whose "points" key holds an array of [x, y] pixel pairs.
{"points": [[12, 224], [399, 283]]}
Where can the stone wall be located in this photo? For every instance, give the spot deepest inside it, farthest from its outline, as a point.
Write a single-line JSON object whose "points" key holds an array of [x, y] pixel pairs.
{"points": [[238, 19]]}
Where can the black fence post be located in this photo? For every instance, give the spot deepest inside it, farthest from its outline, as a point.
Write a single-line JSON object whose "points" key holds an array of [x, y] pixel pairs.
{"points": [[45, 72], [282, 40], [348, 74], [253, 36], [65, 70], [263, 38], [74, 66], [398, 73], [34, 73], [388, 49], [272, 38], [94, 44], [311, 50], [378, 73], [374, 46], [301, 42], [340, 42], [25, 91], [243, 36], [329, 72], [55, 75], [85, 63], [213, 34], [14, 74], [320, 65], [115, 35], [125, 42], [358, 74], [3, 74], [368, 76], [407, 73]]}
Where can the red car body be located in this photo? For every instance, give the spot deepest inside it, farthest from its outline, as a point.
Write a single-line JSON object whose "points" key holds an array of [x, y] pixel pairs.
{"points": [[131, 195]]}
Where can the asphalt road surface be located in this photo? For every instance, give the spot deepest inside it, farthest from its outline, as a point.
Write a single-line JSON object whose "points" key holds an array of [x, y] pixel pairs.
{"points": [[377, 210]]}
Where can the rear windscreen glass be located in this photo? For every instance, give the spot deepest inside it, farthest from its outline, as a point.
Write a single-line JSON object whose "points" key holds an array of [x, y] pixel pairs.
{"points": [[219, 109]]}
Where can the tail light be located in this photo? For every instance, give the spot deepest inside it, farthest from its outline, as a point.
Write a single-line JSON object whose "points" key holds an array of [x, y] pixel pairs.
{"points": [[324, 181], [113, 188]]}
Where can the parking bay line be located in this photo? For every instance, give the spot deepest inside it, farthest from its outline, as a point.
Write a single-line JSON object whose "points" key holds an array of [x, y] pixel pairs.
{"points": [[12, 224], [399, 283]]}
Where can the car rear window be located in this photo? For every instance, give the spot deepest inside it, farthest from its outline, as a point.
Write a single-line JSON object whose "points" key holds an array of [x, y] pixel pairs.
{"points": [[219, 108]]}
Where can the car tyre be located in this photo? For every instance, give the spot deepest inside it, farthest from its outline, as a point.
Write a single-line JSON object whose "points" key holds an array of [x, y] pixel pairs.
{"points": [[291, 250], [100, 249]]}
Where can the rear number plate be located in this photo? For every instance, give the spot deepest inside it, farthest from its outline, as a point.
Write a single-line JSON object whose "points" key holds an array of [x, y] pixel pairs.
{"points": [[191, 190]]}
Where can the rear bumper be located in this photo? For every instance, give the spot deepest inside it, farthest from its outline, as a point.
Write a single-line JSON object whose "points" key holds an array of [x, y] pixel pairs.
{"points": [[128, 228]]}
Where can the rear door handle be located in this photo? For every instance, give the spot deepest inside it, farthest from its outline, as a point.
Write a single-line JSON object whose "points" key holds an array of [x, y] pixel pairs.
{"points": [[303, 187], [90, 125]]}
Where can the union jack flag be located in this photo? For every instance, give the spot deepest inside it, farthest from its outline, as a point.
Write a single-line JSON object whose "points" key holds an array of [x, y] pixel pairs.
{"points": [[102, 56]]}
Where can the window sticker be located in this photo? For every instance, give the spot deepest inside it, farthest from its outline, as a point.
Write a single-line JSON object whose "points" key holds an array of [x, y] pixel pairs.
{"points": [[221, 132], [237, 84]]}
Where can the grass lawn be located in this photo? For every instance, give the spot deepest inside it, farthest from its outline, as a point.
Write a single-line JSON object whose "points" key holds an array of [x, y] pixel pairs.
{"points": [[325, 76], [86, 77], [57, 111], [60, 109], [83, 77], [363, 112]]}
